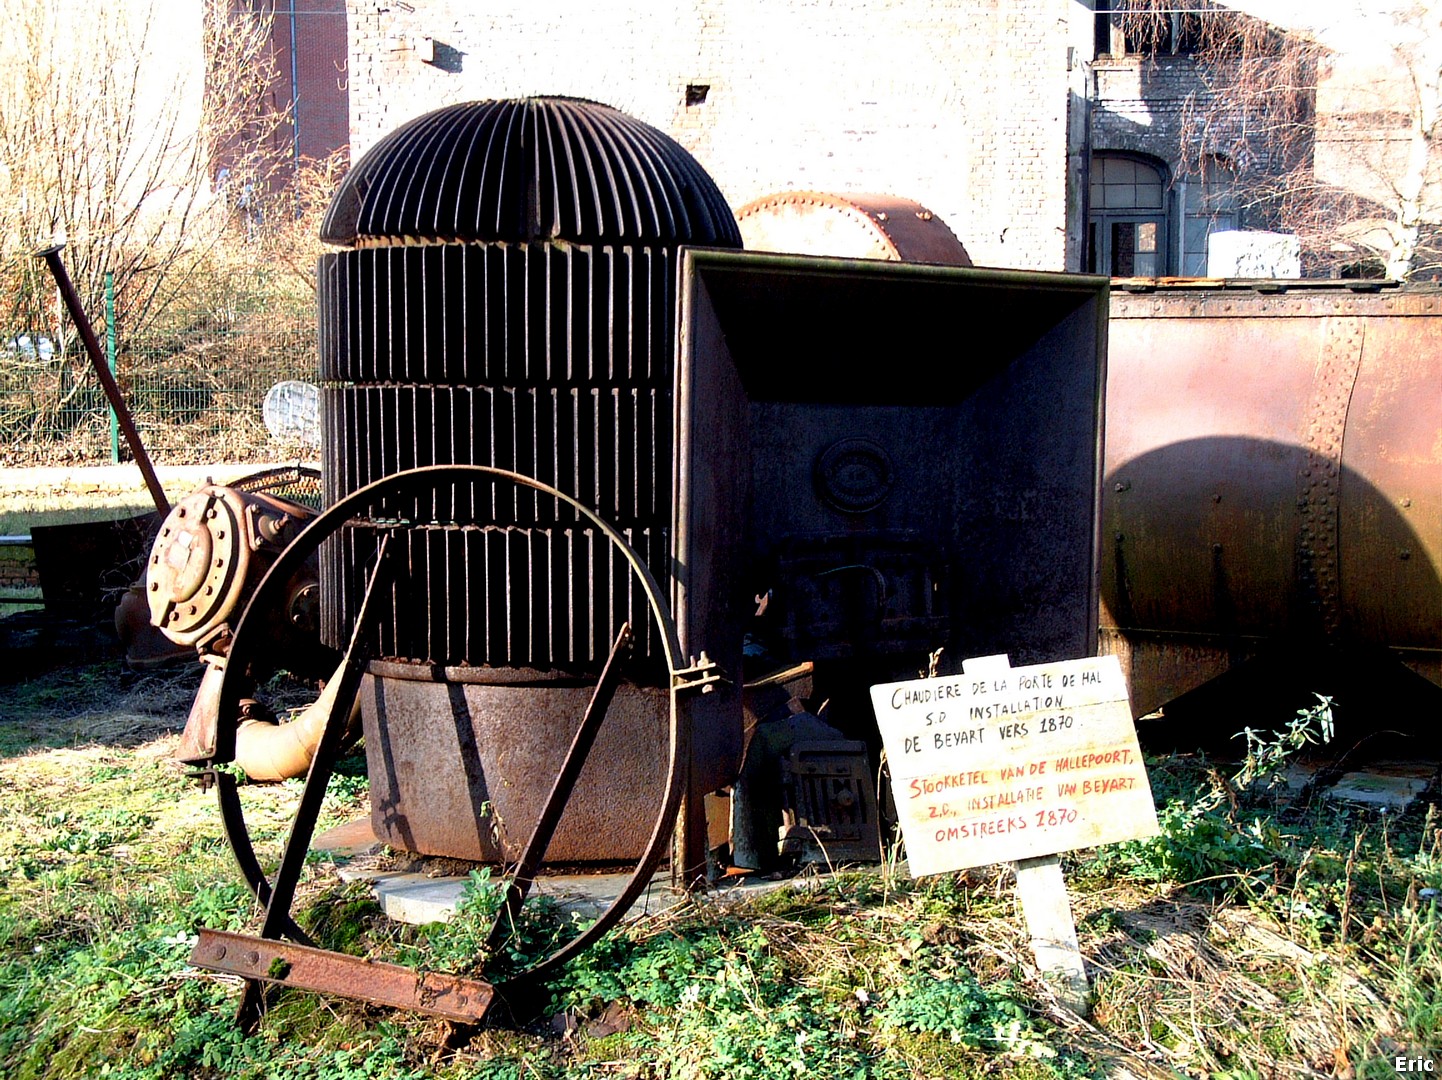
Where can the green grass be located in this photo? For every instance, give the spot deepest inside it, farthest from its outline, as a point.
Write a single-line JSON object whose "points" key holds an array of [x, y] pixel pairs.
{"points": [[1254, 937], [18, 517]]}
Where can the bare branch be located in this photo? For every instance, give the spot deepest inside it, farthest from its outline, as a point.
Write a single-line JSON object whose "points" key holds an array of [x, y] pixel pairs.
{"points": [[1357, 180], [116, 155]]}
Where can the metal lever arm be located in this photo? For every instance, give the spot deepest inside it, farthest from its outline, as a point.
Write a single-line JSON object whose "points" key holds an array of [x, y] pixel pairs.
{"points": [[561, 788], [51, 255], [292, 861]]}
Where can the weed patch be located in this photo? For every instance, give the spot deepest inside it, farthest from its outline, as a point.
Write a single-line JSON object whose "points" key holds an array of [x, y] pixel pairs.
{"points": [[1261, 934]]}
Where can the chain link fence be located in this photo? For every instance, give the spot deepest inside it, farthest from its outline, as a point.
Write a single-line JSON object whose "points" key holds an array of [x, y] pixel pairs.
{"points": [[194, 379]]}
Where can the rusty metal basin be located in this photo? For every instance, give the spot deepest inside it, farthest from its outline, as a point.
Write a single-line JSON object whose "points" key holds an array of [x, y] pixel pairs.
{"points": [[461, 762]]}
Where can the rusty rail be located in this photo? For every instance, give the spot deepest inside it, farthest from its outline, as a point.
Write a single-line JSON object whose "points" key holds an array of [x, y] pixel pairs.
{"points": [[282, 963]]}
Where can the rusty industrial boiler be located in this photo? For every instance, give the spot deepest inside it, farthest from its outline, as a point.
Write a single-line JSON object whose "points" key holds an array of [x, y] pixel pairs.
{"points": [[508, 300], [608, 496], [1272, 517], [1272, 513], [614, 506], [518, 308]]}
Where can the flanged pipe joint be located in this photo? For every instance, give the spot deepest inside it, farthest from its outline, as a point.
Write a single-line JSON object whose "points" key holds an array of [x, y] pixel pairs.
{"points": [[212, 550]]}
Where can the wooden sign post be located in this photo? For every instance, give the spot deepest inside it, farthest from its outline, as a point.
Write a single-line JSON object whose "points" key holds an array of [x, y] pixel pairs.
{"points": [[1003, 764]]}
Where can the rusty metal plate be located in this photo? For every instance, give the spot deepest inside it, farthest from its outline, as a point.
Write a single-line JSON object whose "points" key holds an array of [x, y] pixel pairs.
{"points": [[462, 769], [1272, 476], [285, 964]]}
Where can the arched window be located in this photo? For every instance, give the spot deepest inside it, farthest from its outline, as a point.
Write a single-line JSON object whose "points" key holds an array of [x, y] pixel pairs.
{"points": [[1209, 204], [1127, 229]]}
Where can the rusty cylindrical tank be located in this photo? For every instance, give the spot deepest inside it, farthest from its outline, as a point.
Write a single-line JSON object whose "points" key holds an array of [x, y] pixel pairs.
{"points": [[855, 225], [1273, 478], [506, 297]]}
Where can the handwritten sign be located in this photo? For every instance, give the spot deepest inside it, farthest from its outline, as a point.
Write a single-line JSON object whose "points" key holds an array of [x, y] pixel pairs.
{"points": [[1000, 763]]}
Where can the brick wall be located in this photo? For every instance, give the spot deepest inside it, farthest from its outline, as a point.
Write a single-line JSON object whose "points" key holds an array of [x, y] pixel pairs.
{"points": [[962, 105], [316, 97], [17, 568], [1138, 105]]}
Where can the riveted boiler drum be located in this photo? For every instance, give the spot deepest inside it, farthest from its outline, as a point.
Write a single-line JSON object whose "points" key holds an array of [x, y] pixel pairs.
{"points": [[854, 225], [1273, 475]]}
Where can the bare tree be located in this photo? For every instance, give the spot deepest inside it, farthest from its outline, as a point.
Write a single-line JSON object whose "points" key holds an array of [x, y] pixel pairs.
{"points": [[111, 144], [1348, 165], [1383, 141]]}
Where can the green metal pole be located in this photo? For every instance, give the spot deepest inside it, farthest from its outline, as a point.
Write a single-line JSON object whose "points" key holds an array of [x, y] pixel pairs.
{"points": [[110, 361]]}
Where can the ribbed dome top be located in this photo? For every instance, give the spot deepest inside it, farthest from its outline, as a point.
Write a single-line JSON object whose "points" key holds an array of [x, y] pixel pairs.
{"points": [[532, 169]]}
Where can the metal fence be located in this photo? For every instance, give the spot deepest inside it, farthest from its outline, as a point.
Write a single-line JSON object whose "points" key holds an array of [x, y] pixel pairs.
{"points": [[195, 381]]}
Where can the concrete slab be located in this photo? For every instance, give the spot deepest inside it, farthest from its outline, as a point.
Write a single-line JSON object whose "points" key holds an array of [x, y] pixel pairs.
{"points": [[1390, 784], [415, 897], [1389, 790]]}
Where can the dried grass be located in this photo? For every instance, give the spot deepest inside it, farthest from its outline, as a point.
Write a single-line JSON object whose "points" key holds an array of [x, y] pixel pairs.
{"points": [[104, 704], [1204, 987]]}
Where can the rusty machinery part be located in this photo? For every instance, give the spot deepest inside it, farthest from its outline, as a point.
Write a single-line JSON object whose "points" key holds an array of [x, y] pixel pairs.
{"points": [[851, 225], [294, 483], [458, 756], [506, 298], [449, 996], [145, 644], [209, 554], [123, 419], [266, 749], [372, 504], [503, 292], [528, 170], [883, 517], [829, 809], [1273, 480]]}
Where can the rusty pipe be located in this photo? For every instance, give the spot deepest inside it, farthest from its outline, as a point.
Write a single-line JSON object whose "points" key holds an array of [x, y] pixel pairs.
{"points": [[265, 750], [269, 751], [51, 255]]}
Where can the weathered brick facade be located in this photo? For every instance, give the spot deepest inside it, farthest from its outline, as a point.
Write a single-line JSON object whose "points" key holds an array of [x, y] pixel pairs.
{"points": [[963, 105], [17, 567], [1138, 105]]}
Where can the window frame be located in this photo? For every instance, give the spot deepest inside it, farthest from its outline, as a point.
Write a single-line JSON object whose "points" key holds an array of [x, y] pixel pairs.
{"points": [[1100, 258], [1207, 198]]}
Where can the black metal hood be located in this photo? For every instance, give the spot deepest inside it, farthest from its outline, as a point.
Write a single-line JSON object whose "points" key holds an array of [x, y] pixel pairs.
{"points": [[530, 169]]}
